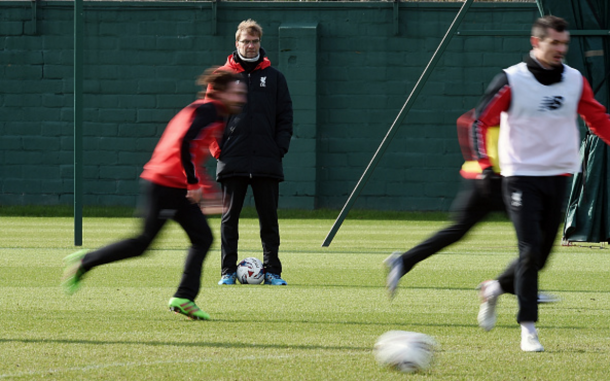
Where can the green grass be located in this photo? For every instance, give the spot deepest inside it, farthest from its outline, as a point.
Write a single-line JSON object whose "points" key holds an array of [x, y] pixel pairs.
{"points": [[247, 212], [322, 326]]}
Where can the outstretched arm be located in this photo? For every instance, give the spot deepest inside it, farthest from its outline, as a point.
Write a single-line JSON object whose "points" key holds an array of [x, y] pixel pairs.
{"points": [[594, 113]]}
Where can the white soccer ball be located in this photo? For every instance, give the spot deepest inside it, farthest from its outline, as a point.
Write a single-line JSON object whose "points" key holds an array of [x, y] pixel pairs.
{"points": [[250, 271], [405, 351]]}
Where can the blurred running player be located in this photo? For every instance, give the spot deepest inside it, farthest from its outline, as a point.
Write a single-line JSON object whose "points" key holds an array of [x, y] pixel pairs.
{"points": [[173, 187]]}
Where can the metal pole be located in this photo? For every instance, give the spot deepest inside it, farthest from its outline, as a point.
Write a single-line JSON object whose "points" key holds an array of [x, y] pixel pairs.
{"points": [[540, 8], [403, 112], [78, 122]]}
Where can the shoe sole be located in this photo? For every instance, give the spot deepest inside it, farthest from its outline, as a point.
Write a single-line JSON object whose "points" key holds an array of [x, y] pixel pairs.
{"points": [[533, 350], [230, 281], [270, 282], [485, 323], [177, 311]]}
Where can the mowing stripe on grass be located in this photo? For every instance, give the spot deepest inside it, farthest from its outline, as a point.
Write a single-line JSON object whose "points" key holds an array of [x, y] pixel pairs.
{"points": [[89, 368]]}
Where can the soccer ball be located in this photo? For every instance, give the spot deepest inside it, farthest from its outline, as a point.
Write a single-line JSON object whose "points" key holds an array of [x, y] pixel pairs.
{"points": [[250, 271], [405, 351]]}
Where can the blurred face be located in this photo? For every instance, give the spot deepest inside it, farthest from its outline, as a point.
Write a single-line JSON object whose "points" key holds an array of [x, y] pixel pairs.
{"points": [[248, 44], [234, 97], [551, 50]]}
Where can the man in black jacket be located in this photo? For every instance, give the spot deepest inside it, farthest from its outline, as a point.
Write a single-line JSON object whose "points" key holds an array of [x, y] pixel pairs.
{"points": [[251, 152]]}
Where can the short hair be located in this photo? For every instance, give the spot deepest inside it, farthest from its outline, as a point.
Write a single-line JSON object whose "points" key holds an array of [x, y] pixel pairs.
{"points": [[215, 80], [251, 27], [541, 26]]}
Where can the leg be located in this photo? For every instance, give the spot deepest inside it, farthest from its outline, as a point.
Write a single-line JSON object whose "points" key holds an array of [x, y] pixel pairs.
{"points": [[266, 196], [156, 206], [507, 278], [526, 202], [233, 195], [522, 201], [196, 227], [554, 192], [554, 188], [469, 208]]}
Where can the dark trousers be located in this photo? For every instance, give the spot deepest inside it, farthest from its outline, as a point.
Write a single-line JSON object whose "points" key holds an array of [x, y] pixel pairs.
{"points": [[160, 204], [266, 196], [468, 208], [534, 206]]}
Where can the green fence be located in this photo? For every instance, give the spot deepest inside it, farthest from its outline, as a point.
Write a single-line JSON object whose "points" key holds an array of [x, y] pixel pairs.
{"points": [[350, 67]]}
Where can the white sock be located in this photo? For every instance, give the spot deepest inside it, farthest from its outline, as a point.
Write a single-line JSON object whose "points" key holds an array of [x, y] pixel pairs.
{"points": [[528, 328], [493, 289]]}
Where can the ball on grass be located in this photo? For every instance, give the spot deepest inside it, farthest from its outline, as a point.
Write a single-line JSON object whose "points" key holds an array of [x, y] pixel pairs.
{"points": [[250, 271], [405, 351]]}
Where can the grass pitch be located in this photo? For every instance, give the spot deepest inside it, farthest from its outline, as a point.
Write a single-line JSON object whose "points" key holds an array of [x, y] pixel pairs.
{"points": [[322, 326]]}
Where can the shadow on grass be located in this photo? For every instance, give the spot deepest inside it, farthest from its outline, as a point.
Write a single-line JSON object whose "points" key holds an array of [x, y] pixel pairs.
{"points": [[424, 288], [248, 345]]}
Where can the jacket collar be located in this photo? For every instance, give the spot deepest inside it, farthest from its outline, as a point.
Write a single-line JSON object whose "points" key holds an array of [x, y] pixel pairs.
{"points": [[235, 65]]}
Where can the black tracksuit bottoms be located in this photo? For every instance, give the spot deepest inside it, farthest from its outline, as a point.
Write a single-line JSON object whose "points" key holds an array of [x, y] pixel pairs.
{"points": [[468, 209], [160, 203], [266, 196], [534, 205]]}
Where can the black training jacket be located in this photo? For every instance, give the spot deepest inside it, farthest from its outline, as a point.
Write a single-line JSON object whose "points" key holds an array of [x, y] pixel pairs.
{"points": [[255, 141]]}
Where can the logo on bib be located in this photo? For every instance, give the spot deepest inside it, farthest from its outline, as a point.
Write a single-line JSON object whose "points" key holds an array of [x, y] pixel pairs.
{"points": [[551, 103]]}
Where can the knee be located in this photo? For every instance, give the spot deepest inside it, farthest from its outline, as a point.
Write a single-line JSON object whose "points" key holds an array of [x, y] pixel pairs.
{"points": [[527, 261], [142, 242], [202, 242]]}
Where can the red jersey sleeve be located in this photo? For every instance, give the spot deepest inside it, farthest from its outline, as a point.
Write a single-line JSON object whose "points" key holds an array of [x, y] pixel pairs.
{"points": [[594, 113], [496, 100]]}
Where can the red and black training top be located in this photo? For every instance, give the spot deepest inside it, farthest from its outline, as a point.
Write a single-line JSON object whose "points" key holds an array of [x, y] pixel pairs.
{"points": [[184, 146]]}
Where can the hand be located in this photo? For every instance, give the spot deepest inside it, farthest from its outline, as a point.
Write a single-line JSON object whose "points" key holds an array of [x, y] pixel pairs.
{"points": [[485, 182], [194, 195], [212, 204]]}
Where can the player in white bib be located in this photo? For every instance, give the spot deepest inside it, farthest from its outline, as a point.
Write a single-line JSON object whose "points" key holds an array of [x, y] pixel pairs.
{"points": [[536, 103]]}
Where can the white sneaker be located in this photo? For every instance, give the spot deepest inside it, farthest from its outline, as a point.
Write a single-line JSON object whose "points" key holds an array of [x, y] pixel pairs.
{"points": [[487, 309], [395, 271], [530, 343]]}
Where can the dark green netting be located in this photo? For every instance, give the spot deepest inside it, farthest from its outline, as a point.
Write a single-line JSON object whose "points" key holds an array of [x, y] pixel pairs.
{"points": [[587, 215]]}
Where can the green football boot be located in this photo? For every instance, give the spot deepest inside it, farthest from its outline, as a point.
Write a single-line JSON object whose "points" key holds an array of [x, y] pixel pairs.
{"points": [[188, 308], [73, 272]]}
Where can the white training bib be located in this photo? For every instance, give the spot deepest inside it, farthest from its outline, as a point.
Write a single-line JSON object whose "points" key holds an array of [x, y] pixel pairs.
{"points": [[539, 134]]}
